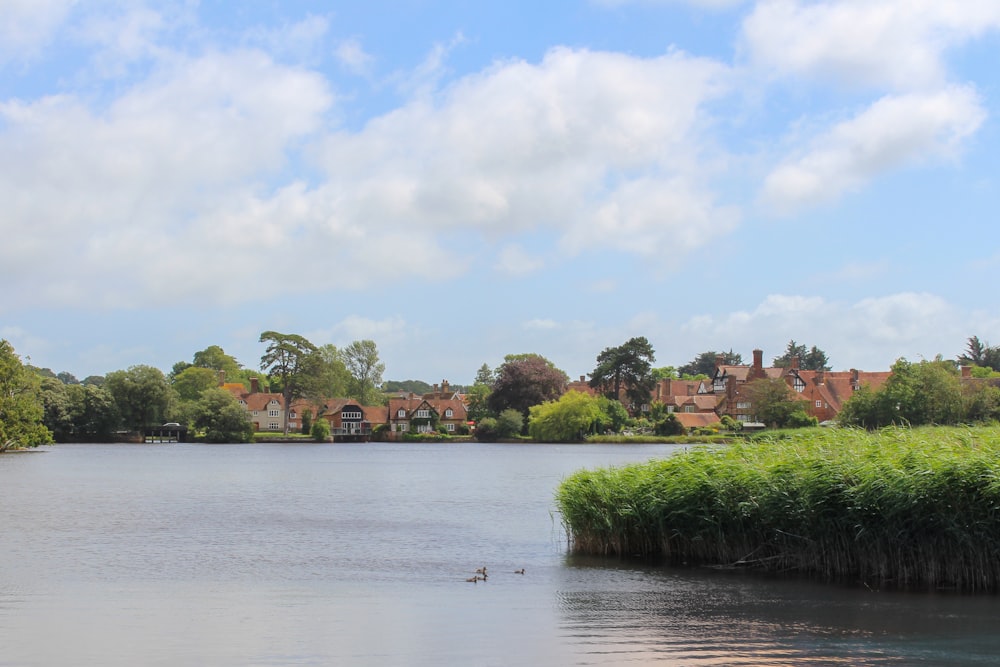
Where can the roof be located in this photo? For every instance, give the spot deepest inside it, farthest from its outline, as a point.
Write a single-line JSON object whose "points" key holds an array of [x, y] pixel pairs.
{"points": [[697, 419]]}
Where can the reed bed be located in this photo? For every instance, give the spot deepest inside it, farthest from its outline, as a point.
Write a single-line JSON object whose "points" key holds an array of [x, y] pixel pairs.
{"points": [[906, 507]]}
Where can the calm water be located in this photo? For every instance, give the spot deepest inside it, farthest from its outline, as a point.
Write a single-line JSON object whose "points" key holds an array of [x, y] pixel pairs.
{"points": [[358, 555]]}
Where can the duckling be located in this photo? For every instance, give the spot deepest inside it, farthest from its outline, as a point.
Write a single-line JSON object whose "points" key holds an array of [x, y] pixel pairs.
{"points": [[521, 571]]}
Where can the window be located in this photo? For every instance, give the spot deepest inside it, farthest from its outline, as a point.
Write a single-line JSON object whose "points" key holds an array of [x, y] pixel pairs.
{"points": [[743, 405], [423, 413], [274, 401], [273, 413], [291, 424], [450, 427], [273, 426], [255, 412], [688, 408], [449, 413], [401, 413], [291, 415], [352, 415], [243, 403], [819, 404]]}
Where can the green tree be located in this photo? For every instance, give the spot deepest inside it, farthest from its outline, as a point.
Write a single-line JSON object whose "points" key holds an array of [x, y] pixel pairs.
{"points": [[626, 369], [979, 353], [361, 359], [525, 380], [418, 387], [215, 358], [773, 402], [614, 415], [326, 375], [193, 381], [510, 423], [289, 358], [813, 359], [321, 430], [21, 409], [222, 418], [704, 363], [142, 394], [477, 401], [929, 392], [569, 419]]}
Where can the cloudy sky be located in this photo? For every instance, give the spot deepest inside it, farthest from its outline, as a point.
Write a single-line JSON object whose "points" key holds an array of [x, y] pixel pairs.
{"points": [[463, 180]]}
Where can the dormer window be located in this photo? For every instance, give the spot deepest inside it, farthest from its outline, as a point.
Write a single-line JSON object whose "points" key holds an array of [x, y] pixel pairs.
{"points": [[401, 413], [423, 413], [449, 413]]}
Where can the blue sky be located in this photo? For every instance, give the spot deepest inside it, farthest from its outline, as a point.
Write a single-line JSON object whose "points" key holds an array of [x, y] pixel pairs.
{"points": [[459, 181]]}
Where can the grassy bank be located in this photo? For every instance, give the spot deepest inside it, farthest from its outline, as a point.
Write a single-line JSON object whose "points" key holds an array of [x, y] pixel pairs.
{"points": [[916, 507]]}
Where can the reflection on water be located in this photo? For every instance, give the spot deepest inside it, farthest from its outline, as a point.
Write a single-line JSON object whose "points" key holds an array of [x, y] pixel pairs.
{"points": [[359, 554]]}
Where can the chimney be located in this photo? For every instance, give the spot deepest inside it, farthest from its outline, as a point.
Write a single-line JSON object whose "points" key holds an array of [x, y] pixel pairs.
{"points": [[820, 376], [444, 386], [795, 363], [966, 372], [718, 360], [854, 378], [254, 385], [435, 388], [758, 359], [583, 378], [222, 378]]}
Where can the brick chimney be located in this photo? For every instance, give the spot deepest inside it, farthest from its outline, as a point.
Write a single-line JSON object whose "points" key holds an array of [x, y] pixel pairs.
{"points": [[444, 386], [966, 372], [758, 359], [795, 362], [820, 376], [254, 385], [222, 378]]}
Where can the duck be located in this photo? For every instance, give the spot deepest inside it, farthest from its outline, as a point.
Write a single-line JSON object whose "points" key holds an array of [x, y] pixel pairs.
{"points": [[473, 580], [521, 571], [481, 570]]}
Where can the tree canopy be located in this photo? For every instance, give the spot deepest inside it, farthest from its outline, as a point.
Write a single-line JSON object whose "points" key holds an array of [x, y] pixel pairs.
{"points": [[813, 359], [142, 395], [287, 357], [525, 380], [980, 353], [365, 368], [704, 363], [21, 409], [569, 419], [626, 371]]}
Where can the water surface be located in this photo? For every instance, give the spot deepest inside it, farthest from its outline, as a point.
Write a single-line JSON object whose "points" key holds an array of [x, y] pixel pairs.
{"points": [[359, 554]]}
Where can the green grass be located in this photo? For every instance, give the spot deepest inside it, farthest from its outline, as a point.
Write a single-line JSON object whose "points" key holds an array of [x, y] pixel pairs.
{"points": [[916, 507]]}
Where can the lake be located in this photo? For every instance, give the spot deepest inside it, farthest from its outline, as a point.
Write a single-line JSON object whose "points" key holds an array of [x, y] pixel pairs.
{"points": [[359, 554]]}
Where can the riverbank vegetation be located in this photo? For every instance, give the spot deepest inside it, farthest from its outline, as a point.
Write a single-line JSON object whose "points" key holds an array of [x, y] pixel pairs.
{"points": [[905, 507]]}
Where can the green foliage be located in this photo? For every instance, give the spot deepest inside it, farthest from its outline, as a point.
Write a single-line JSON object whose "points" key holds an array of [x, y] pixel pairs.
{"points": [[289, 357], [321, 430], [192, 381], [21, 410], [626, 369], [614, 416], [486, 429], [928, 392], [774, 402], [979, 353], [669, 425], [418, 387], [307, 421], [730, 424], [477, 402], [142, 395], [525, 380], [510, 423], [918, 507], [78, 413], [222, 418], [362, 362], [570, 419], [703, 365], [813, 359]]}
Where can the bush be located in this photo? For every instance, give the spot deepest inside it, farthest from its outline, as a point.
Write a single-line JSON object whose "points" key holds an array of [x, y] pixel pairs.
{"points": [[669, 425], [321, 430]]}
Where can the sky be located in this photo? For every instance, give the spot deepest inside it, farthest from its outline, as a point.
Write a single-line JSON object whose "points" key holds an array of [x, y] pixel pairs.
{"points": [[459, 180]]}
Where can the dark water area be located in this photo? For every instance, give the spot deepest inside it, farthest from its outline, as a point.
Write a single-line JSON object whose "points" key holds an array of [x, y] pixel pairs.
{"points": [[306, 554]]}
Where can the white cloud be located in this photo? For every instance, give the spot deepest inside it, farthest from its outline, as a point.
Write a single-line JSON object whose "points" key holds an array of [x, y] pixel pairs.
{"points": [[27, 26], [869, 334], [896, 131], [353, 57], [541, 324], [896, 43], [515, 261]]}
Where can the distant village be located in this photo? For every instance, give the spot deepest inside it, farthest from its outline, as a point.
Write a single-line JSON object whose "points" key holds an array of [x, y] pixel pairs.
{"points": [[694, 403]]}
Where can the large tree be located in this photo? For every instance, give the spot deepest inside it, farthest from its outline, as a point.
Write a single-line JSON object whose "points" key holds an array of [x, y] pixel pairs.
{"points": [[704, 363], [289, 359], [142, 394], [774, 403], [524, 380], [222, 418], [361, 359], [326, 375], [626, 369], [928, 392], [980, 353], [812, 359], [21, 409]]}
